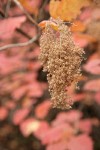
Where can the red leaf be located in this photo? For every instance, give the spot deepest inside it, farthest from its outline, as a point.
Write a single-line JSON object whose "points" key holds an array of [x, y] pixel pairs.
{"points": [[29, 126], [43, 128], [29, 77], [19, 115], [61, 145], [93, 85], [42, 109], [93, 66], [28, 102], [19, 92], [35, 89], [86, 14], [57, 133], [85, 125], [97, 97], [9, 64], [90, 14], [83, 39], [10, 104], [34, 53], [81, 142], [34, 66], [96, 14], [3, 113], [71, 116], [32, 5], [7, 26], [78, 97]]}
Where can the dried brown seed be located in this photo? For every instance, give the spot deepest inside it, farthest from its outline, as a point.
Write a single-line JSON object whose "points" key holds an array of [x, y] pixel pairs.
{"points": [[61, 58]]}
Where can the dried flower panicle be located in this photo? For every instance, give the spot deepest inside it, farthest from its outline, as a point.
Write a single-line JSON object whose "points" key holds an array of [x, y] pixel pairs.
{"points": [[61, 58]]}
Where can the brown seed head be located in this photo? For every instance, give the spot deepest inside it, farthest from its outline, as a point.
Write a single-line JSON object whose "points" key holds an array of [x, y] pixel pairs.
{"points": [[61, 58]]}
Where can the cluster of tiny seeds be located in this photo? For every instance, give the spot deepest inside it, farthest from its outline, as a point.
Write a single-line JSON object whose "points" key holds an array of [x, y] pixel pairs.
{"points": [[61, 58]]}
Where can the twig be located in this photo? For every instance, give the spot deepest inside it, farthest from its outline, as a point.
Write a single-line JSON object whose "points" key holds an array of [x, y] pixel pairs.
{"points": [[20, 44], [24, 33], [26, 13], [1, 14], [31, 40], [44, 4], [7, 8], [42, 9]]}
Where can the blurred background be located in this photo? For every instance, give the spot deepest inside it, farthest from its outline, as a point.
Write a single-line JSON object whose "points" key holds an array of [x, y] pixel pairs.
{"points": [[27, 120]]}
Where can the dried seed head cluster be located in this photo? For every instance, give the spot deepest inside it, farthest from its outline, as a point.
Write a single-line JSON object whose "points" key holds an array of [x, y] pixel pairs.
{"points": [[61, 58]]}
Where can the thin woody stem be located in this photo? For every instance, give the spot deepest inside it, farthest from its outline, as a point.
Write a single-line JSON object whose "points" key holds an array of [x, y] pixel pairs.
{"points": [[26, 13], [7, 8], [19, 44], [44, 4], [31, 40]]}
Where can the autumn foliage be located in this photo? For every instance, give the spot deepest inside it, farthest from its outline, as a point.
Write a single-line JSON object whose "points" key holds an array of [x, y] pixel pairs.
{"points": [[70, 28]]}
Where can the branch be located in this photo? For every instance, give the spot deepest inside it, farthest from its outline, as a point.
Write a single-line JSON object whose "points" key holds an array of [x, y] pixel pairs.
{"points": [[25, 12], [1, 14], [26, 35], [31, 40], [7, 8], [40, 15], [20, 31], [20, 44], [44, 4]]}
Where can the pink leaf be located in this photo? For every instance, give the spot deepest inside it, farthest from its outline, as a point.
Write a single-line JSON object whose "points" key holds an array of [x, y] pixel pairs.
{"points": [[34, 53], [9, 64], [43, 128], [42, 109], [85, 125], [71, 116], [28, 102], [19, 92], [97, 97], [57, 133], [3, 113], [30, 77], [93, 85], [29, 126], [7, 26], [19, 115], [34, 66], [35, 89], [82, 42], [93, 66], [81, 142], [10, 104], [96, 14], [61, 145], [78, 97], [86, 14]]}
